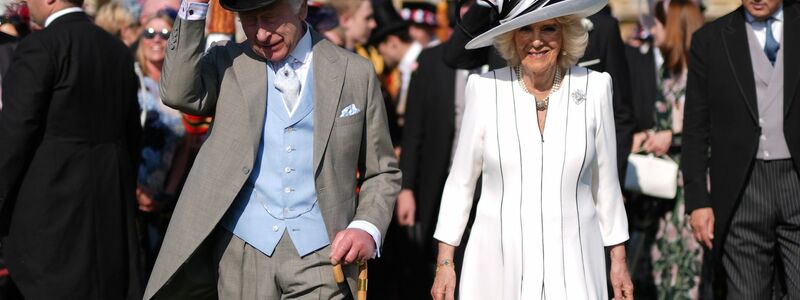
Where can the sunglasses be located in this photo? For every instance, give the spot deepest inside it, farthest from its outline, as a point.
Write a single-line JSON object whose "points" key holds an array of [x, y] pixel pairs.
{"points": [[150, 33]]}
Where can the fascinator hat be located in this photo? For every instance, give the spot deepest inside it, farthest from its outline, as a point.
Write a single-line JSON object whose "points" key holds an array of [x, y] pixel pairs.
{"points": [[514, 14]]}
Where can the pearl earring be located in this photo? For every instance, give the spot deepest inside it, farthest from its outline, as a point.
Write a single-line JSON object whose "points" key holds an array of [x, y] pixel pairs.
{"points": [[564, 52]]}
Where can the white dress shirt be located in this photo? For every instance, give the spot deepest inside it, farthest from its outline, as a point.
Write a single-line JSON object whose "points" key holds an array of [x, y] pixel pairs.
{"points": [[760, 27], [302, 53]]}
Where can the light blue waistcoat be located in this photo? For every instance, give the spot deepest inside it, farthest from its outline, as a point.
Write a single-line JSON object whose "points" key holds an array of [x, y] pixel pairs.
{"points": [[280, 194]]}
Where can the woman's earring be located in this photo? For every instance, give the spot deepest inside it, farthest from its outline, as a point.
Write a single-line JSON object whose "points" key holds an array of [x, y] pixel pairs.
{"points": [[564, 52]]}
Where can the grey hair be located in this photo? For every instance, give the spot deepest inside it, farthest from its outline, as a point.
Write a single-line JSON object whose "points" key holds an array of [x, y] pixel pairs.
{"points": [[573, 43], [296, 5]]}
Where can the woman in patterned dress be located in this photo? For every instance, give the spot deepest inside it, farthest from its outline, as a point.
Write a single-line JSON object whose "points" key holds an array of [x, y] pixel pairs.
{"points": [[676, 256], [162, 133]]}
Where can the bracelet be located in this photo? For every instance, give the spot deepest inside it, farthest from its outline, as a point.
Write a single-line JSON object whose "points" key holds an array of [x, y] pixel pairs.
{"points": [[445, 263]]}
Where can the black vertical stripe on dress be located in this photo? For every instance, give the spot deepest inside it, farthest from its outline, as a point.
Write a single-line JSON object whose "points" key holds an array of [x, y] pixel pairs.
{"points": [[500, 164], [561, 194], [577, 184], [519, 152]]}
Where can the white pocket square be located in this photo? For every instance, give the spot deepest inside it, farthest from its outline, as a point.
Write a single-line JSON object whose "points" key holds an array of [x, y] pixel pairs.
{"points": [[350, 110]]}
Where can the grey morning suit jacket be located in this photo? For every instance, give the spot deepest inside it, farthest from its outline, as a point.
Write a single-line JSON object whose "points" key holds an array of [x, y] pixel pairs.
{"points": [[229, 82]]}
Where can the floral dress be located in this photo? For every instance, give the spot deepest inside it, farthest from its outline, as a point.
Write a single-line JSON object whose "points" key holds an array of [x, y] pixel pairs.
{"points": [[162, 130], [677, 256], [162, 133]]}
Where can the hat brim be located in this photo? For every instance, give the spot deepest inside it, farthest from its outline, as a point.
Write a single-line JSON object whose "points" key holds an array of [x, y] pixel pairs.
{"points": [[582, 8], [244, 5]]}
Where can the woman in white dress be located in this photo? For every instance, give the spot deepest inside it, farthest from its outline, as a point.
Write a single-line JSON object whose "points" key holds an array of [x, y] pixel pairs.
{"points": [[541, 132]]}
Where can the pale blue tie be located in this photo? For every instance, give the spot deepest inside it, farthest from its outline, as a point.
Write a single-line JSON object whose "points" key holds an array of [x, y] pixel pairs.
{"points": [[288, 84], [771, 46]]}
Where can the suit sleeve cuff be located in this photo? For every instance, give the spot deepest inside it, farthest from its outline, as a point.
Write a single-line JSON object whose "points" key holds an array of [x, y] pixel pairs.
{"points": [[372, 230], [193, 11]]}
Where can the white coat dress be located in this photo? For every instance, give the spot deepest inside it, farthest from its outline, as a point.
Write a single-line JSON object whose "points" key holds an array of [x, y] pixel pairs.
{"points": [[550, 202]]}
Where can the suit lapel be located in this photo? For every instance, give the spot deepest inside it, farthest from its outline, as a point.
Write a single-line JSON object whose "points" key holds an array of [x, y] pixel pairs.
{"points": [[791, 65], [251, 75], [734, 40], [329, 69]]}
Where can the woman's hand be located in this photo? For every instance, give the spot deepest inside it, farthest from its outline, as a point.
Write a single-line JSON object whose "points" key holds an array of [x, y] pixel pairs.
{"points": [[658, 143], [146, 202], [619, 276], [638, 140], [444, 284]]}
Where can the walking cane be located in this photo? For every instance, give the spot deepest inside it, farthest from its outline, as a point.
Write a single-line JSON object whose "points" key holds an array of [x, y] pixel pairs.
{"points": [[338, 275]]}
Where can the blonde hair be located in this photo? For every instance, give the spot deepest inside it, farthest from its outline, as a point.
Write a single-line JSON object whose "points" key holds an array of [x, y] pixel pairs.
{"points": [[346, 7], [113, 17], [574, 38]]}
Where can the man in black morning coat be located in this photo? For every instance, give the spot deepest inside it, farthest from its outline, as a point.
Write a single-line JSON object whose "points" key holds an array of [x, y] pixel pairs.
{"points": [[742, 130], [69, 131]]}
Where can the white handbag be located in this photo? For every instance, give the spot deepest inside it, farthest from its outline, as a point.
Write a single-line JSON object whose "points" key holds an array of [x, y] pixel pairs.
{"points": [[652, 176]]}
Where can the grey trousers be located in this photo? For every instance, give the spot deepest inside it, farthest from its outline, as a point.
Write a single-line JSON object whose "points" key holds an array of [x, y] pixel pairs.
{"points": [[761, 253], [247, 273]]}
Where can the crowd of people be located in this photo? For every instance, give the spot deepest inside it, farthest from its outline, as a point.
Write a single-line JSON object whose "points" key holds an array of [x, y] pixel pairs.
{"points": [[470, 149]]}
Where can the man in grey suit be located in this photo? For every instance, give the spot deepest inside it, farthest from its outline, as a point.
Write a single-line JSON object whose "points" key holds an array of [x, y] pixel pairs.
{"points": [[271, 201]]}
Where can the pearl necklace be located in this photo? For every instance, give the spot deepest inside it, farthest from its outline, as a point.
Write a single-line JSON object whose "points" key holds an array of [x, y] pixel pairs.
{"points": [[540, 105]]}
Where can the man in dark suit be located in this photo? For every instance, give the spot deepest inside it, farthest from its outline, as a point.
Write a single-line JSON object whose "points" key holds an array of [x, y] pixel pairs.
{"points": [[742, 122], [644, 88], [604, 53], [427, 146], [7, 45], [69, 132], [427, 143]]}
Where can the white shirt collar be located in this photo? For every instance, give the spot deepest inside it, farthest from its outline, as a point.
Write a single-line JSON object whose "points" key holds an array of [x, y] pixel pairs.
{"points": [[60, 13], [778, 15], [302, 51]]}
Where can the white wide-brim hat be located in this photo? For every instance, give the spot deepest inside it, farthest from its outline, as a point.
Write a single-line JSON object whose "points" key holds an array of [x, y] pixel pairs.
{"points": [[527, 12]]}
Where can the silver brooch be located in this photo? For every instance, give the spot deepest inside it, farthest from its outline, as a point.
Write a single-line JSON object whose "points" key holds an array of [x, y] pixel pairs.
{"points": [[578, 96]]}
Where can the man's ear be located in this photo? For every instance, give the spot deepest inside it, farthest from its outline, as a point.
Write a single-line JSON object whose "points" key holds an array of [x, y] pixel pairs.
{"points": [[302, 13], [344, 21]]}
